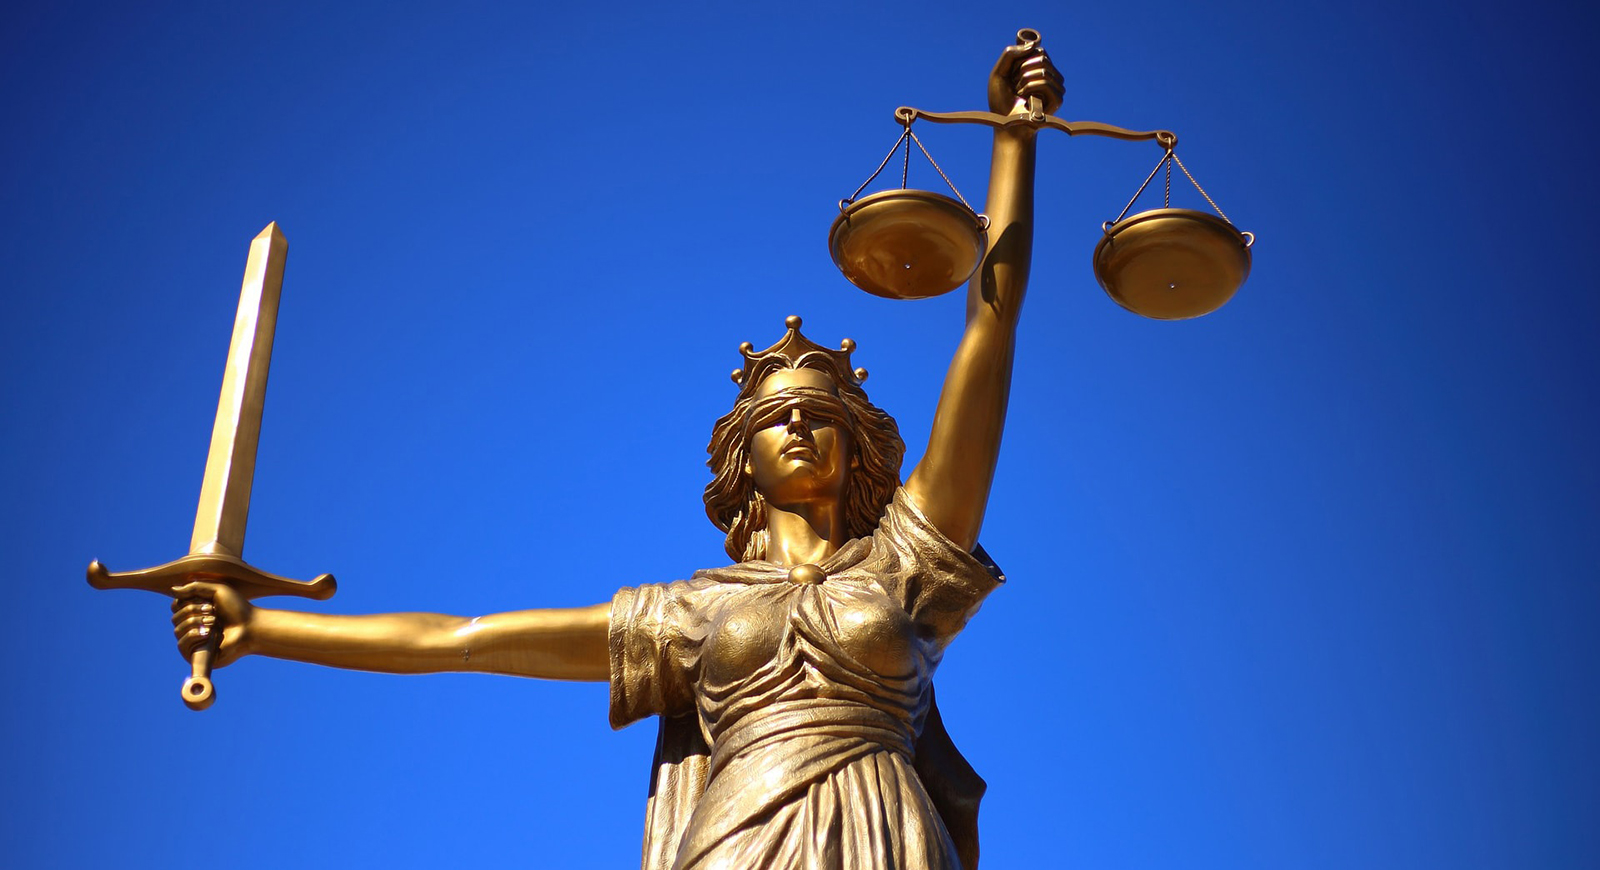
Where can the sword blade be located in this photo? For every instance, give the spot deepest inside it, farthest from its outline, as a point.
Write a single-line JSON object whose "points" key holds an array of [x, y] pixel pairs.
{"points": [[230, 466]]}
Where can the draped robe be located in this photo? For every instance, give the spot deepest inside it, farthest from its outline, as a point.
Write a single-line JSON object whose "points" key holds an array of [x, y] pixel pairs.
{"points": [[798, 728]]}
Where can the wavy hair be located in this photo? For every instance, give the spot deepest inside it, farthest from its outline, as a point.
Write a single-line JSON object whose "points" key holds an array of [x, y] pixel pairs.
{"points": [[735, 506]]}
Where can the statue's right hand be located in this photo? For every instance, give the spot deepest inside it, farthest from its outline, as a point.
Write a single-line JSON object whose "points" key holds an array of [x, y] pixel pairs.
{"points": [[201, 609]]}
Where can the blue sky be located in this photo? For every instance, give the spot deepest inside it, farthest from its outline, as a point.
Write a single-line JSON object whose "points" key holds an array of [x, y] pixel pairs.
{"points": [[1311, 582]]}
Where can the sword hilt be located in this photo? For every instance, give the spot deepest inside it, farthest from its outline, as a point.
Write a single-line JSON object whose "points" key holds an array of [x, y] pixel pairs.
{"points": [[198, 691]]}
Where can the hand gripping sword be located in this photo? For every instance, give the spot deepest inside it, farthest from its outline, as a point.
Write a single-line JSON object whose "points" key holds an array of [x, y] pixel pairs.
{"points": [[218, 542]]}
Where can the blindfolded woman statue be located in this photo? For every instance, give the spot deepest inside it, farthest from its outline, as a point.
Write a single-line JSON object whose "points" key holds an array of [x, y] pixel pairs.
{"points": [[794, 687]]}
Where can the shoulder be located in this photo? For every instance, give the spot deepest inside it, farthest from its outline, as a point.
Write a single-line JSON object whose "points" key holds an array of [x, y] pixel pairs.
{"points": [[907, 531]]}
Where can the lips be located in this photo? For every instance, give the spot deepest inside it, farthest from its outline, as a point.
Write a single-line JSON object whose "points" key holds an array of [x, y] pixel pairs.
{"points": [[799, 450]]}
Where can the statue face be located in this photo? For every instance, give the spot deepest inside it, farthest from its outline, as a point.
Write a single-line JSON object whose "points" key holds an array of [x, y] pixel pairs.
{"points": [[800, 446]]}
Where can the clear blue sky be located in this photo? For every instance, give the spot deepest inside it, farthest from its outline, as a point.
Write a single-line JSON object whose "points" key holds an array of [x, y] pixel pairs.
{"points": [[1309, 583]]}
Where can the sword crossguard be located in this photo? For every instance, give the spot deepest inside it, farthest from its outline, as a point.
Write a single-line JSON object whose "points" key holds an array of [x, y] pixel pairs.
{"points": [[245, 579]]}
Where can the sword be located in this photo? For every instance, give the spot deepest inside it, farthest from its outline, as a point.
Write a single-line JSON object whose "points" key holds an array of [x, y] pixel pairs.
{"points": [[217, 546]]}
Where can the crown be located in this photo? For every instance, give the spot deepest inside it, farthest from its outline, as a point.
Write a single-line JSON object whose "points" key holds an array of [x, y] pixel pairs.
{"points": [[796, 351]]}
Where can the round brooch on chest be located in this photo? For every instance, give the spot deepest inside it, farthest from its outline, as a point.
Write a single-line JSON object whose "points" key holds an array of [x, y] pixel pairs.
{"points": [[807, 575]]}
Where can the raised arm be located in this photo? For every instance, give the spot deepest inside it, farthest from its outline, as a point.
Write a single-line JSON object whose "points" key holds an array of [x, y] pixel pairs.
{"points": [[560, 644], [951, 483]]}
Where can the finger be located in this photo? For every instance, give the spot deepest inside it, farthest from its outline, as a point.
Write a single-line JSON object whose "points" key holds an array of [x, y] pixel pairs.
{"points": [[201, 623], [1031, 87], [191, 642], [1047, 83], [1009, 59], [1039, 60], [195, 639], [195, 589], [1036, 61], [191, 607], [1039, 69]]}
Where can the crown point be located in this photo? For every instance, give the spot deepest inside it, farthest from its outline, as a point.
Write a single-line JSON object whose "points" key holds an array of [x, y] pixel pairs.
{"points": [[794, 351]]}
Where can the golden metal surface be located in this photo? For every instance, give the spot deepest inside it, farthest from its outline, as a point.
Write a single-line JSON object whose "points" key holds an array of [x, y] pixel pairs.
{"points": [[798, 723], [1038, 121], [1172, 263], [243, 578], [231, 464], [907, 244], [219, 524], [1169, 264], [913, 244], [806, 486]]}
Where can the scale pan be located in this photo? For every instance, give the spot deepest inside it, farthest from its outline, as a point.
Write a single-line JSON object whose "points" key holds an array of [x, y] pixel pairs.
{"points": [[907, 244], [1172, 263]]}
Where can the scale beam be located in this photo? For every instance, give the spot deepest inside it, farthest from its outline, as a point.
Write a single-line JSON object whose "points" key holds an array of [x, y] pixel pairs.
{"points": [[1037, 119]]}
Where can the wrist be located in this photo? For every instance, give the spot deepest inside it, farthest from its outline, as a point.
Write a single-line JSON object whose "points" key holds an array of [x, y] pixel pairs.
{"points": [[245, 643], [1018, 136]]}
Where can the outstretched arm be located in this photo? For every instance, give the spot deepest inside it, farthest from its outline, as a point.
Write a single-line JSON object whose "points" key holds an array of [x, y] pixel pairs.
{"points": [[951, 483], [559, 644]]}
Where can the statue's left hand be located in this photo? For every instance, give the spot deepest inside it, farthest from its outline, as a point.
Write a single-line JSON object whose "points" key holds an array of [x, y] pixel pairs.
{"points": [[1024, 71]]}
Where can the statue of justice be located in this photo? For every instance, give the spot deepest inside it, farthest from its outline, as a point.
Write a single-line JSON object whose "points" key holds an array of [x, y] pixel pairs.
{"points": [[793, 687]]}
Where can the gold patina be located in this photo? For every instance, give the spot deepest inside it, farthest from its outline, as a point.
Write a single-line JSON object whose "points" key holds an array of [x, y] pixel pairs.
{"points": [[793, 687]]}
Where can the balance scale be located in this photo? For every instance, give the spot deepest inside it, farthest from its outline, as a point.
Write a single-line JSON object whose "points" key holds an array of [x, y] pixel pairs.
{"points": [[1165, 264]]}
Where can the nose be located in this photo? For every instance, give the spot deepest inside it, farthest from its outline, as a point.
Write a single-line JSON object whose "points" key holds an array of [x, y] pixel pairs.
{"points": [[797, 423]]}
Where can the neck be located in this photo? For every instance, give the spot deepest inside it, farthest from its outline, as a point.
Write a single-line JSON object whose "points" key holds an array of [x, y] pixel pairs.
{"points": [[805, 533]]}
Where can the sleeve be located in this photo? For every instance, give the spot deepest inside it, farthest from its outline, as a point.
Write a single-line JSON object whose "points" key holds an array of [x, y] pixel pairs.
{"points": [[655, 636], [938, 583]]}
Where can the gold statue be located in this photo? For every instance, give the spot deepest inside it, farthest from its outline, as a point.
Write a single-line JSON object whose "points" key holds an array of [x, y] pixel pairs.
{"points": [[797, 720]]}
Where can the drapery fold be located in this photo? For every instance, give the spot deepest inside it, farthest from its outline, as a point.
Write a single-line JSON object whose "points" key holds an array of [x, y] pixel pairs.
{"points": [[798, 727]]}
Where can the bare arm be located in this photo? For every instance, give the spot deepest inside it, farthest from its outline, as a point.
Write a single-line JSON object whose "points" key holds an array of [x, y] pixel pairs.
{"points": [[557, 644], [951, 483]]}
